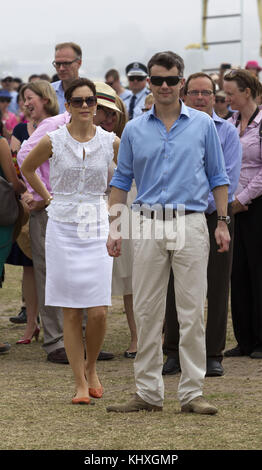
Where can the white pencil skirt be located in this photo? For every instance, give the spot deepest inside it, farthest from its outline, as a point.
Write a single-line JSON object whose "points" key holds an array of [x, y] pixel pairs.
{"points": [[78, 268]]}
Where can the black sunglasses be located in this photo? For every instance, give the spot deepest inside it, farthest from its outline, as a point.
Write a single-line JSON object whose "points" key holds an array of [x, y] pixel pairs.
{"points": [[170, 81], [220, 100], [139, 78], [78, 102]]}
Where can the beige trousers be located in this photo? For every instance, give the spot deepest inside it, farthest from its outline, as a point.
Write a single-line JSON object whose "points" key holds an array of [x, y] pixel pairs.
{"points": [[152, 261], [51, 317]]}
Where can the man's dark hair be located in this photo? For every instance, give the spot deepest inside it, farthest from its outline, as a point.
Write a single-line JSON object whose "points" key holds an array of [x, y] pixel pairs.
{"points": [[167, 59], [112, 73], [199, 75]]}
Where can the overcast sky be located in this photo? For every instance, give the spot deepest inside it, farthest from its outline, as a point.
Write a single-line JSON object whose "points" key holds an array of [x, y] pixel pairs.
{"points": [[113, 34]]}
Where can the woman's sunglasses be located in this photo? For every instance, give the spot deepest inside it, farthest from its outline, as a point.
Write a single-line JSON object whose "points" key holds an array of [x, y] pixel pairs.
{"points": [[170, 81], [78, 102]]}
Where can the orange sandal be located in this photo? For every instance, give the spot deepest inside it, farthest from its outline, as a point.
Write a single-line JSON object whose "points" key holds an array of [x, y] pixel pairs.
{"points": [[81, 401], [96, 392]]}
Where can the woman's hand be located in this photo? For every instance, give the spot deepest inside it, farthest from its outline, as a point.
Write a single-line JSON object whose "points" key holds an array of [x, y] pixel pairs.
{"points": [[238, 207]]}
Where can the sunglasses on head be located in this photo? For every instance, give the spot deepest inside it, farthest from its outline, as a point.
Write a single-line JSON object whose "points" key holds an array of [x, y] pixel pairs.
{"points": [[78, 102], [170, 81], [139, 78]]}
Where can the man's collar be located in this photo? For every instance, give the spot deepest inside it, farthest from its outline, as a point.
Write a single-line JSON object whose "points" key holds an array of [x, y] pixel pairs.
{"points": [[184, 110], [217, 118], [141, 92]]}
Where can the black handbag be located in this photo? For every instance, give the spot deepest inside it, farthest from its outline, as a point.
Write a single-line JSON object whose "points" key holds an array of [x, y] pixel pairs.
{"points": [[9, 210]]}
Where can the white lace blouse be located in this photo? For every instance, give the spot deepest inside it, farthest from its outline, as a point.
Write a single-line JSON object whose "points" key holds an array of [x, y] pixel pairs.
{"points": [[78, 175]]}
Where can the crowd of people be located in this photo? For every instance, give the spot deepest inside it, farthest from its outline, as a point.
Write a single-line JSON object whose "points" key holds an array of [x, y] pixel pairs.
{"points": [[182, 158]]}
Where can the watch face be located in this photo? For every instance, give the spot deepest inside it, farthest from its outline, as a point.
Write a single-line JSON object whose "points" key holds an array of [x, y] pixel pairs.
{"points": [[225, 219]]}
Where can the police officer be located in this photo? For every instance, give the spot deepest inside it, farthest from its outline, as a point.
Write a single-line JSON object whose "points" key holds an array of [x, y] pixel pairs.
{"points": [[137, 79]]}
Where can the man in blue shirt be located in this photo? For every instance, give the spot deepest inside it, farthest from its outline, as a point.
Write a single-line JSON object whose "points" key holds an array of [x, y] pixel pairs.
{"points": [[199, 93], [175, 156], [68, 60], [112, 79], [8, 84], [137, 80]]}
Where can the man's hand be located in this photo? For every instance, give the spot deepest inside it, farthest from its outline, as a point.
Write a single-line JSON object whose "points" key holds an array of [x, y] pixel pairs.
{"points": [[114, 246], [238, 207], [222, 237]]}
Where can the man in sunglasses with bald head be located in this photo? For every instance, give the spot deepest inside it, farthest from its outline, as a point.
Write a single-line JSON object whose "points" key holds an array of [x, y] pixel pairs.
{"points": [[137, 81], [174, 154]]}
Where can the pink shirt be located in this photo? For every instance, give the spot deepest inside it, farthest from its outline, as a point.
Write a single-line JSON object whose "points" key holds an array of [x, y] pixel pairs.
{"points": [[47, 125], [11, 121], [250, 181]]}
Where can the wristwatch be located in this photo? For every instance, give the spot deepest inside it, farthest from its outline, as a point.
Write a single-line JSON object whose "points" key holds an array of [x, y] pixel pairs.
{"points": [[224, 218]]}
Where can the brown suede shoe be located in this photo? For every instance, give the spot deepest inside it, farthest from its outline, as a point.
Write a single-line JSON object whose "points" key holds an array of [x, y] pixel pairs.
{"points": [[199, 405], [136, 404], [58, 356]]}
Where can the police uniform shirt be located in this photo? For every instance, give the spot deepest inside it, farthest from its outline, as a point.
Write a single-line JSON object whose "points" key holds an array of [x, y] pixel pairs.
{"points": [[139, 103]]}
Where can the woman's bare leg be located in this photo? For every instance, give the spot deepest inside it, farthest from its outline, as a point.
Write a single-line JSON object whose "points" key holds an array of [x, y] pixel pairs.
{"points": [[95, 334], [74, 346]]}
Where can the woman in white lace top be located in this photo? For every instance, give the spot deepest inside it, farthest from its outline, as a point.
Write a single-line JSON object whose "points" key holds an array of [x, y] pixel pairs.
{"points": [[79, 270]]}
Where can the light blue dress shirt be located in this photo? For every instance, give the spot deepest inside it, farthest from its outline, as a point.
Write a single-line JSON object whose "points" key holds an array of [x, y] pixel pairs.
{"points": [[170, 168], [232, 150], [60, 95], [13, 106], [126, 95], [139, 103]]}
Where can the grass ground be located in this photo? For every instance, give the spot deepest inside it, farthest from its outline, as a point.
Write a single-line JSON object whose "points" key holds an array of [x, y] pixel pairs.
{"points": [[36, 411]]}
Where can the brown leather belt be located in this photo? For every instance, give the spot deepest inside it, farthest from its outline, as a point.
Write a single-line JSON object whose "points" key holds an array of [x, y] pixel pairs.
{"points": [[163, 215]]}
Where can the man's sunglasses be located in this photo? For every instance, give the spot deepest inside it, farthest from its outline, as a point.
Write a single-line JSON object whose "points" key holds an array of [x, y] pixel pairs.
{"points": [[64, 64], [78, 102], [220, 100], [139, 78], [170, 81]]}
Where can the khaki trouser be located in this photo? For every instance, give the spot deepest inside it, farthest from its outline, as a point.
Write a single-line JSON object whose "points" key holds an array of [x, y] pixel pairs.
{"points": [[51, 317], [152, 261]]}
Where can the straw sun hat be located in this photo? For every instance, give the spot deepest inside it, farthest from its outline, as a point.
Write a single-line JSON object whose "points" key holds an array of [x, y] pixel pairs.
{"points": [[106, 96]]}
